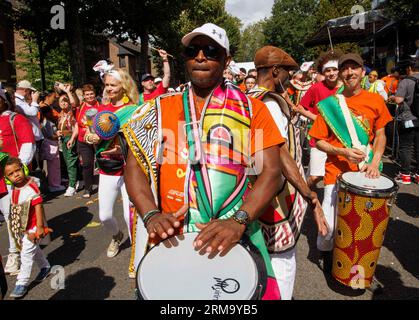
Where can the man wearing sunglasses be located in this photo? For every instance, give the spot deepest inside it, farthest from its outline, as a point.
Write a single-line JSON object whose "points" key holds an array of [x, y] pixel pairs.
{"points": [[192, 154]]}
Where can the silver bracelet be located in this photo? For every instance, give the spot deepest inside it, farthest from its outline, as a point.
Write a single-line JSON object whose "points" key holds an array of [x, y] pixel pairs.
{"points": [[149, 215]]}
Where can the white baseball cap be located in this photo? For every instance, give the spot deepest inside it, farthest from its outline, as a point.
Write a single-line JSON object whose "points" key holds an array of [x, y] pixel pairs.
{"points": [[306, 66], [25, 84], [157, 80], [211, 30]]}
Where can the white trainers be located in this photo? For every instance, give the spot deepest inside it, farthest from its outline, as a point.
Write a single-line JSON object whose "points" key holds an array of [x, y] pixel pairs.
{"points": [[12, 266], [113, 248], [70, 192]]}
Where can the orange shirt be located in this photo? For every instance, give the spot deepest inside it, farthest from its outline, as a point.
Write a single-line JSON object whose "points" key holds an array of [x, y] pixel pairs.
{"points": [[371, 109], [391, 84], [173, 169]]}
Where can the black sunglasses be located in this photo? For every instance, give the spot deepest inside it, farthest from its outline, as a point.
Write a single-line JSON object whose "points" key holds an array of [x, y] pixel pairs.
{"points": [[209, 51]]}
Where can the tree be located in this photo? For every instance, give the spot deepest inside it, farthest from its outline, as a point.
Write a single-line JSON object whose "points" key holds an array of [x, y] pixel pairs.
{"points": [[252, 39], [403, 10], [57, 63], [289, 25]]}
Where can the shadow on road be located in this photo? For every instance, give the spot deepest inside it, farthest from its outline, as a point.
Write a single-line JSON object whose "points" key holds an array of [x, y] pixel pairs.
{"points": [[393, 286], [402, 239], [66, 226], [87, 284], [409, 203]]}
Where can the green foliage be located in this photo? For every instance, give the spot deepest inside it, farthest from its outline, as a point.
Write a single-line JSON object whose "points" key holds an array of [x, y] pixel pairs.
{"points": [[403, 10], [252, 39], [57, 65], [289, 26]]}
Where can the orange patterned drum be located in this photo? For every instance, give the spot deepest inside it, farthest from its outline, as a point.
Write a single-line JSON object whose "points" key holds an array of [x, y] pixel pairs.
{"points": [[363, 213]]}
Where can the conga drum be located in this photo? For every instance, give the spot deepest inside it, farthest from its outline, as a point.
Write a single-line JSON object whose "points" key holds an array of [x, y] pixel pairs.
{"points": [[363, 213], [174, 270]]}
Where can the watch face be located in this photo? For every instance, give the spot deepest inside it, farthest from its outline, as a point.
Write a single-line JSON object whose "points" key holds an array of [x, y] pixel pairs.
{"points": [[242, 215]]}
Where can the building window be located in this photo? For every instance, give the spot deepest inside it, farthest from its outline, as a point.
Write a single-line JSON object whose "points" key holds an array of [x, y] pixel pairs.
{"points": [[122, 63]]}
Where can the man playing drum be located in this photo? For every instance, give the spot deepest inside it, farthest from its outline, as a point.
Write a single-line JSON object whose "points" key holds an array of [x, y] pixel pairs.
{"points": [[195, 178], [282, 220], [369, 115]]}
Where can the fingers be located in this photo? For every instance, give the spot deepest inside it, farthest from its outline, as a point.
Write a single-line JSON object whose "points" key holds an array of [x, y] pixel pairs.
{"points": [[182, 211]]}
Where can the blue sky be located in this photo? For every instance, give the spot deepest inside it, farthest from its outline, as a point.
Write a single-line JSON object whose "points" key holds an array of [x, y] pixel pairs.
{"points": [[249, 11]]}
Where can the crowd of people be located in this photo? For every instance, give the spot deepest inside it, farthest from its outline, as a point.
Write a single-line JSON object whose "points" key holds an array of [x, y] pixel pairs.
{"points": [[181, 182]]}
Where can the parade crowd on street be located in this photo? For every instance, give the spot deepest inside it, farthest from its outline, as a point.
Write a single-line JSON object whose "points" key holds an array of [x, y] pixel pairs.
{"points": [[232, 155]]}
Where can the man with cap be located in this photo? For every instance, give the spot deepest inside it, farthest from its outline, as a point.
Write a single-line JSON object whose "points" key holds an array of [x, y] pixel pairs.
{"points": [[281, 223], [212, 133], [327, 65], [151, 89], [27, 98], [348, 154]]}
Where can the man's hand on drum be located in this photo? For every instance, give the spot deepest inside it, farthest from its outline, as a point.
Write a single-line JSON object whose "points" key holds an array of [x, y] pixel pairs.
{"points": [[163, 224], [354, 155], [219, 235], [371, 170]]}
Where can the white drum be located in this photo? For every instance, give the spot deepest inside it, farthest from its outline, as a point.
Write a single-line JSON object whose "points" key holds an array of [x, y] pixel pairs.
{"points": [[358, 183], [174, 270]]}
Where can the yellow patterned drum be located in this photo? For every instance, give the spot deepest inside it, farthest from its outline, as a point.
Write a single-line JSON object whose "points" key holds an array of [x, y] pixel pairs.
{"points": [[363, 213]]}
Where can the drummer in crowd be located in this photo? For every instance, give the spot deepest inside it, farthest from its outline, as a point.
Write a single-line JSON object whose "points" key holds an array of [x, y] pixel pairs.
{"points": [[372, 115], [223, 209]]}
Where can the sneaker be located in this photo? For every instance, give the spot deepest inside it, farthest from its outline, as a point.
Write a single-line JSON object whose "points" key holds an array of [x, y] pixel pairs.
{"points": [[43, 274], [12, 266], [403, 178], [56, 189], [19, 292], [70, 192], [86, 194], [326, 261], [113, 248]]}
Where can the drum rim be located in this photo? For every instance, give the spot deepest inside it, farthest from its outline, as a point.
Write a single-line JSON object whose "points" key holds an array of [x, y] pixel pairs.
{"points": [[380, 193], [261, 274]]}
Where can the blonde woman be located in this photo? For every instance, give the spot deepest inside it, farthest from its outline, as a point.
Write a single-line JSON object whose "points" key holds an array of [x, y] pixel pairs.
{"points": [[121, 90]]}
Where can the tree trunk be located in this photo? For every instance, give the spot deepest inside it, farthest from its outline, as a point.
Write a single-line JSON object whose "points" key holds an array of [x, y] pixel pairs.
{"points": [[75, 41], [41, 59], [144, 53]]}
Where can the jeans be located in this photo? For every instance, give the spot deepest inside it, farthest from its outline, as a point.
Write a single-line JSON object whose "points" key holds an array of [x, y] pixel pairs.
{"points": [[408, 142], [87, 156]]}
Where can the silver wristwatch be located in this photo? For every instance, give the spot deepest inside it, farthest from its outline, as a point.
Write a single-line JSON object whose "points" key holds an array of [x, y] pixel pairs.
{"points": [[241, 217]]}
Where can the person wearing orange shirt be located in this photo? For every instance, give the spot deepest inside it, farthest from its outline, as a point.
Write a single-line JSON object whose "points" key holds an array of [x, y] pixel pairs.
{"points": [[372, 112], [165, 182], [392, 81]]}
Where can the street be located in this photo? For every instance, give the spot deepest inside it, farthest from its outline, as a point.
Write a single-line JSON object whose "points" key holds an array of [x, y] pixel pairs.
{"points": [[79, 245]]}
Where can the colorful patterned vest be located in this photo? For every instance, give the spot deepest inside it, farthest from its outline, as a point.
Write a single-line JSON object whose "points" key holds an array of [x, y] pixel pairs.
{"points": [[281, 223]]}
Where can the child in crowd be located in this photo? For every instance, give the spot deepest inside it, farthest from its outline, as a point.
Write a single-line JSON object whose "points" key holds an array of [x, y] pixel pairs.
{"points": [[27, 224]]}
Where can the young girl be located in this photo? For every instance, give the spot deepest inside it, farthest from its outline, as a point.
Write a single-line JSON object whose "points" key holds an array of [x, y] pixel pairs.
{"points": [[27, 224]]}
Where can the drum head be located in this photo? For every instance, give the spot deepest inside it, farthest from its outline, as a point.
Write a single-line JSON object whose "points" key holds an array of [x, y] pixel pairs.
{"points": [[359, 183], [180, 272]]}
